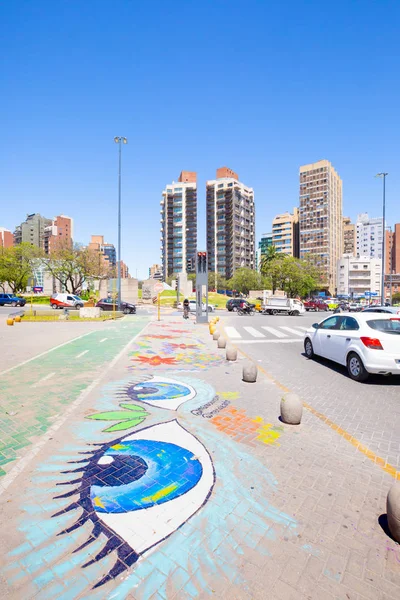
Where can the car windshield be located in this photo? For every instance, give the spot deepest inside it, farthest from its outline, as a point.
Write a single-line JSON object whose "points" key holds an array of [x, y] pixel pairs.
{"points": [[385, 325]]}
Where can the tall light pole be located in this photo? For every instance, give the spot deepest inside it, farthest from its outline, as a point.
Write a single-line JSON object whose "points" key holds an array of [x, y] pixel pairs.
{"points": [[120, 141], [390, 265], [383, 175]]}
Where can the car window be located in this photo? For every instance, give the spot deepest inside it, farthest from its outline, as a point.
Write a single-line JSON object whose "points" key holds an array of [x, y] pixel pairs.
{"points": [[349, 324], [331, 323], [70, 297], [385, 325]]}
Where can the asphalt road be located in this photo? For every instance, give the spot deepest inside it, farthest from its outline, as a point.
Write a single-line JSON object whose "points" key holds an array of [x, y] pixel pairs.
{"points": [[368, 411]]}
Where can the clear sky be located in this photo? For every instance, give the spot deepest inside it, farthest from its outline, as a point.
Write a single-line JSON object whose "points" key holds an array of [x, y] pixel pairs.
{"points": [[259, 86]]}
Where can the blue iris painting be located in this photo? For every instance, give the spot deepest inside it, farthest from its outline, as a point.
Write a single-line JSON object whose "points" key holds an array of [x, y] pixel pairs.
{"points": [[149, 472]]}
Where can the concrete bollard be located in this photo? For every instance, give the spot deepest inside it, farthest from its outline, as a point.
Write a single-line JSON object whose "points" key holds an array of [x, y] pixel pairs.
{"points": [[393, 511], [231, 353], [221, 342], [17, 319], [291, 409], [10, 321], [216, 335], [250, 372]]}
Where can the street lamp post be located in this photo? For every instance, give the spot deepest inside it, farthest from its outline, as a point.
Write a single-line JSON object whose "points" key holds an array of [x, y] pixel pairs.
{"points": [[120, 141], [383, 176], [390, 266]]}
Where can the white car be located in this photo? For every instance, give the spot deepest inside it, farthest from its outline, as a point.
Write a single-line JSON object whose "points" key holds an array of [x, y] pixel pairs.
{"points": [[193, 305], [364, 342]]}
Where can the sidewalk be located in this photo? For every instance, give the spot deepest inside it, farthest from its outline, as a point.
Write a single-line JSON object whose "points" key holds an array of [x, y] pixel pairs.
{"points": [[173, 479]]}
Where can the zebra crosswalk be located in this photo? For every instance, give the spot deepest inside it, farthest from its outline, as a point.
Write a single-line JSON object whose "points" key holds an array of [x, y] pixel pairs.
{"points": [[265, 334]]}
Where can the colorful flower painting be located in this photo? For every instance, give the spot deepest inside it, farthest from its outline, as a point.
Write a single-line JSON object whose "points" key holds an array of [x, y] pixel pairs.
{"points": [[155, 361]]}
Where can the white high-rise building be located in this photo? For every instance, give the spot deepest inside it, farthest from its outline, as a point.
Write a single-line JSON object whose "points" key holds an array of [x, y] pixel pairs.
{"points": [[179, 225], [369, 234], [230, 224]]}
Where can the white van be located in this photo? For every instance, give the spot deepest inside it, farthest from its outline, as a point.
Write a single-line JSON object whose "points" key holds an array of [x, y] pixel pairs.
{"points": [[66, 301], [289, 306]]}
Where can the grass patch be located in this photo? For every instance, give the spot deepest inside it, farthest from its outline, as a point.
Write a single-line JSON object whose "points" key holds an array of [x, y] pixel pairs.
{"points": [[56, 318]]}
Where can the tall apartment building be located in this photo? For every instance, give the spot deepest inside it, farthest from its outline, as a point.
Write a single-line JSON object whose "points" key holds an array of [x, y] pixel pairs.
{"points": [[321, 219], [349, 236], [32, 230], [107, 250], [263, 245], [285, 233], [6, 238], [59, 234], [369, 234], [230, 224], [179, 225]]}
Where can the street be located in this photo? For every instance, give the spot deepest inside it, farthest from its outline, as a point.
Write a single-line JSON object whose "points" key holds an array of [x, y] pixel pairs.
{"points": [[370, 411]]}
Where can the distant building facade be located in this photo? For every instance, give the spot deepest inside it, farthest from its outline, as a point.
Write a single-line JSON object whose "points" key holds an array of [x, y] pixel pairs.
{"points": [[263, 245], [107, 250], [179, 225], [369, 235], [155, 272], [349, 236], [321, 222], [6, 238], [32, 230], [357, 275], [59, 234], [230, 224], [285, 233]]}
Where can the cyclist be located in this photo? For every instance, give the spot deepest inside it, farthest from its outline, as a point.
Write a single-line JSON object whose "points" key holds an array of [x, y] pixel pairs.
{"points": [[186, 308]]}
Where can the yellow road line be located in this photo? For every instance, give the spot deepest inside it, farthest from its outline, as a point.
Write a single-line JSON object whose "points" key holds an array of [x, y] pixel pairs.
{"points": [[385, 466]]}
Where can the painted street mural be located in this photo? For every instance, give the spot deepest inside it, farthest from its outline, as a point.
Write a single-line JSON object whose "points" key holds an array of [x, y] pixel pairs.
{"points": [[153, 494]]}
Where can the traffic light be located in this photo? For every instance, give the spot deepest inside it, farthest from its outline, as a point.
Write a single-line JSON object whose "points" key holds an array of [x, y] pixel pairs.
{"points": [[202, 262]]}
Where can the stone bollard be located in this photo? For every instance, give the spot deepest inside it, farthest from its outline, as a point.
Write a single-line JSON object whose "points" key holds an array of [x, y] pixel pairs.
{"points": [[393, 511], [231, 353], [250, 372], [217, 319], [216, 335], [10, 321], [212, 329], [291, 409], [221, 342], [17, 319]]}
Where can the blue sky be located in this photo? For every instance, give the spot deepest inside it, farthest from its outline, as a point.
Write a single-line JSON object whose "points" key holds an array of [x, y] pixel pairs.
{"points": [[259, 86]]}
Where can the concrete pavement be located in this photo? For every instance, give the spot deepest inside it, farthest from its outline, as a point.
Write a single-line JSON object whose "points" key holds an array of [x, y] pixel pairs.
{"points": [[171, 478]]}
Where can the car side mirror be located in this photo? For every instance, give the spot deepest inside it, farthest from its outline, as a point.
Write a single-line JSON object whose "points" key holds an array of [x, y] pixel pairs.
{"points": [[315, 325]]}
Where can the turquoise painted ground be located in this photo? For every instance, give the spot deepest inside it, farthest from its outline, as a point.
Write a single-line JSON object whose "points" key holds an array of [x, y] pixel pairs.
{"points": [[28, 406]]}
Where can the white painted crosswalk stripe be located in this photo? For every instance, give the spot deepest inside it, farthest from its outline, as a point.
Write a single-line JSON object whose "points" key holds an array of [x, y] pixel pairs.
{"points": [[232, 332], [254, 332], [275, 332], [290, 330]]}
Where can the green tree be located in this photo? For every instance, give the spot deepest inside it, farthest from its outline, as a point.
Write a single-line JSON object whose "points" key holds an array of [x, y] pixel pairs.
{"points": [[72, 266], [16, 266], [245, 280], [272, 271], [396, 298]]}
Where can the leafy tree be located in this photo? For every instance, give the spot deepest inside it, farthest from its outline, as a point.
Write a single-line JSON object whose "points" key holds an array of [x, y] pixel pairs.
{"points": [[272, 271], [271, 254], [396, 298], [72, 266], [245, 280], [294, 276], [16, 266]]}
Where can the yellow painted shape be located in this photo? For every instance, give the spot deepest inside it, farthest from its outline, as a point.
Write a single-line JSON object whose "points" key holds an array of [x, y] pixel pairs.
{"points": [[388, 468], [258, 420], [98, 502], [161, 493], [118, 447], [229, 395]]}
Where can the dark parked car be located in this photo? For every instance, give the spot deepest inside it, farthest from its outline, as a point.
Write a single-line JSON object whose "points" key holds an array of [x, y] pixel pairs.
{"points": [[109, 303], [234, 303], [11, 300]]}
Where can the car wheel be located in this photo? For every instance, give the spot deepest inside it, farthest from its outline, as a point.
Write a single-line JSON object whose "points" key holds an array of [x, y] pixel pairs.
{"points": [[78, 305], [54, 306], [355, 367], [234, 309], [295, 313], [308, 348], [126, 311], [274, 312], [14, 303]]}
